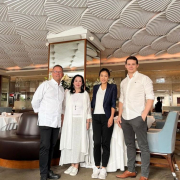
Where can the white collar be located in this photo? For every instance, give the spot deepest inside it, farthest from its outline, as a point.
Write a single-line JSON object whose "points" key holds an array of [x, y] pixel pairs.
{"points": [[133, 74], [55, 82]]}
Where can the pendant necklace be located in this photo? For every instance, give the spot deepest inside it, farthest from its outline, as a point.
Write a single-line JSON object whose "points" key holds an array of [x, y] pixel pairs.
{"points": [[78, 94]]}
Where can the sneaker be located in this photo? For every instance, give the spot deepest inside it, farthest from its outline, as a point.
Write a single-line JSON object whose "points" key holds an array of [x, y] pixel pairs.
{"points": [[95, 173], [68, 171], [102, 174], [74, 171]]}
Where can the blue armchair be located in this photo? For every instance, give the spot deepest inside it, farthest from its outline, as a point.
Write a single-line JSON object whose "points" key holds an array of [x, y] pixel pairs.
{"points": [[162, 142]]}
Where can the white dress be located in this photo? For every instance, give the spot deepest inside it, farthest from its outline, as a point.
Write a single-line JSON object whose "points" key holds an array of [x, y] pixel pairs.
{"points": [[75, 129]]}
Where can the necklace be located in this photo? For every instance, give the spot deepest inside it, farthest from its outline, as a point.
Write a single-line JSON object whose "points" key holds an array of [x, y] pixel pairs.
{"points": [[76, 99]]}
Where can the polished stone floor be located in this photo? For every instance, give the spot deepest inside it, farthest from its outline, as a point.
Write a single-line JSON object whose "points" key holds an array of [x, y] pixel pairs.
{"points": [[156, 173]]}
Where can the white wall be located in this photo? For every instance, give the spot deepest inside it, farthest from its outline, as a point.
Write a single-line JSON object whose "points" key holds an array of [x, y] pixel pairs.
{"points": [[175, 96], [166, 100]]}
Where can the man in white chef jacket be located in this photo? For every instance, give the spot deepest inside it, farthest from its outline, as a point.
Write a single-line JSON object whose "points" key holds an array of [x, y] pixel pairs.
{"points": [[47, 102]]}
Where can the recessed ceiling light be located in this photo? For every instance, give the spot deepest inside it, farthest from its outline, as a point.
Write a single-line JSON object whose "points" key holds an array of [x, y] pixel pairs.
{"points": [[160, 80]]}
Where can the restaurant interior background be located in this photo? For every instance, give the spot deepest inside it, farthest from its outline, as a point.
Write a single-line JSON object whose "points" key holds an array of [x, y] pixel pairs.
{"points": [[84, 36], [149, 30], [165, 77]]}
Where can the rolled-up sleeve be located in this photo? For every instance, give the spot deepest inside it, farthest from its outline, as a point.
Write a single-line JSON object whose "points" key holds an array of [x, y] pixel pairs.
{"points": [[148, 87], [37, 98], [114, 96], [121, 98]]}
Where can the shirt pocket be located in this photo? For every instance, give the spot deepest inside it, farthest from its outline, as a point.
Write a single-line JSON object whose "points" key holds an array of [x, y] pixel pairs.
{"points": [[136, 90]]}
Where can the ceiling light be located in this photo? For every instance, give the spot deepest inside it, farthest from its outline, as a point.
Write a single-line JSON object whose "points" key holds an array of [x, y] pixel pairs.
{"points": [[160, 80], [91, 38]]}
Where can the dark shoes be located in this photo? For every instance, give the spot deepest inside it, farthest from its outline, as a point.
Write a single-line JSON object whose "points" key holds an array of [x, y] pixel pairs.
{"points": [[126, 174], [51, 175], [43, 178]]}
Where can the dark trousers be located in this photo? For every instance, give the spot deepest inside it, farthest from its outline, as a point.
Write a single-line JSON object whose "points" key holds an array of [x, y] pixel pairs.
{"points": [[48, 139], [102, 137], [139, 127]]}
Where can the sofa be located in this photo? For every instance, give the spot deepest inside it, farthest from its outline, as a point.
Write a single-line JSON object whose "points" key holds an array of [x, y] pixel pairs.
{"points": [[23, 144]]}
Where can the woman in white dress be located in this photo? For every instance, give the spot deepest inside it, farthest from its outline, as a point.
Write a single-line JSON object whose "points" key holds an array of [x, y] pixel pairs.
{"points": [[74, 141]]}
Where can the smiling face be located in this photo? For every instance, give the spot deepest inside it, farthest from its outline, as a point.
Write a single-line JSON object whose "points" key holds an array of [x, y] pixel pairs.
{"points": [[77, 83], [131, 66], [104, 77], [57, 74]]}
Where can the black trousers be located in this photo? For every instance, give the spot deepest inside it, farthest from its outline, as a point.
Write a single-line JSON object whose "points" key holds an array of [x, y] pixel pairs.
{"points": [[102, 138], [48, 139]]}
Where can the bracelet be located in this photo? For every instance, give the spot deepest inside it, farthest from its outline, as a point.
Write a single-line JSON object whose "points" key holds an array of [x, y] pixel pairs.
{"points": [[87, 122]]}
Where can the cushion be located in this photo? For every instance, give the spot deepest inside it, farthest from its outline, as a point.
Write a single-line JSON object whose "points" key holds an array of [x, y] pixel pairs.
{"points": [[28, 124]]}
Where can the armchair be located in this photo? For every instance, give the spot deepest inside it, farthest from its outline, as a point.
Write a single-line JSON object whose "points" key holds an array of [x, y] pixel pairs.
{"points": [[162, 142]]}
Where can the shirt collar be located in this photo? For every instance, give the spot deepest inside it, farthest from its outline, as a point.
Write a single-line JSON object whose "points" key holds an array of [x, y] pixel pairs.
{"points": [[54, 81], [133, 74]]}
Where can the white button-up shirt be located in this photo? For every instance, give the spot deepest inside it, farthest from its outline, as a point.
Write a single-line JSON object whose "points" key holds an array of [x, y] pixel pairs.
{"points": [[134, 93], [47, 102]]}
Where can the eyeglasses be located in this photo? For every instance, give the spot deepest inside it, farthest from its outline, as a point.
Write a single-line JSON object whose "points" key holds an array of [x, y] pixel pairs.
{"points": [[56, 72]]}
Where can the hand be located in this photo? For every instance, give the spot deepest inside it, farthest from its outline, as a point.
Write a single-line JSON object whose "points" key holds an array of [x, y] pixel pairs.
{"points": [[62, 119], [110, 122], [62, 116], [143, 115], [87, 124], [119, 121], [62, 123]]}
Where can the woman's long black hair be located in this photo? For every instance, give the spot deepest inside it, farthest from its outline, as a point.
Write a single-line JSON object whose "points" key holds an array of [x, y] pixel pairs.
{"points": [[72, 90]]}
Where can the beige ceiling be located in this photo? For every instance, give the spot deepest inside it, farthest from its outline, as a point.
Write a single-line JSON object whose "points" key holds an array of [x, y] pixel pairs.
{"points": [[124, 27]]}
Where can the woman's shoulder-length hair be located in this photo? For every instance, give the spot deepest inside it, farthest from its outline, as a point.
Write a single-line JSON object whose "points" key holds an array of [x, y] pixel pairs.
{"points": [[72, 89]]}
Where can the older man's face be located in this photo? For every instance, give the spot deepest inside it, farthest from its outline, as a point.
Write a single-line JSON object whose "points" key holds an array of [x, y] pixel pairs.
{"points": [[57, 74]]}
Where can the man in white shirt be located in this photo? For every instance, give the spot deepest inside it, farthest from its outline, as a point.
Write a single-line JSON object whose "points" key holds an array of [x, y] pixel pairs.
{"points": [[136, 99], [47, 102]]}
